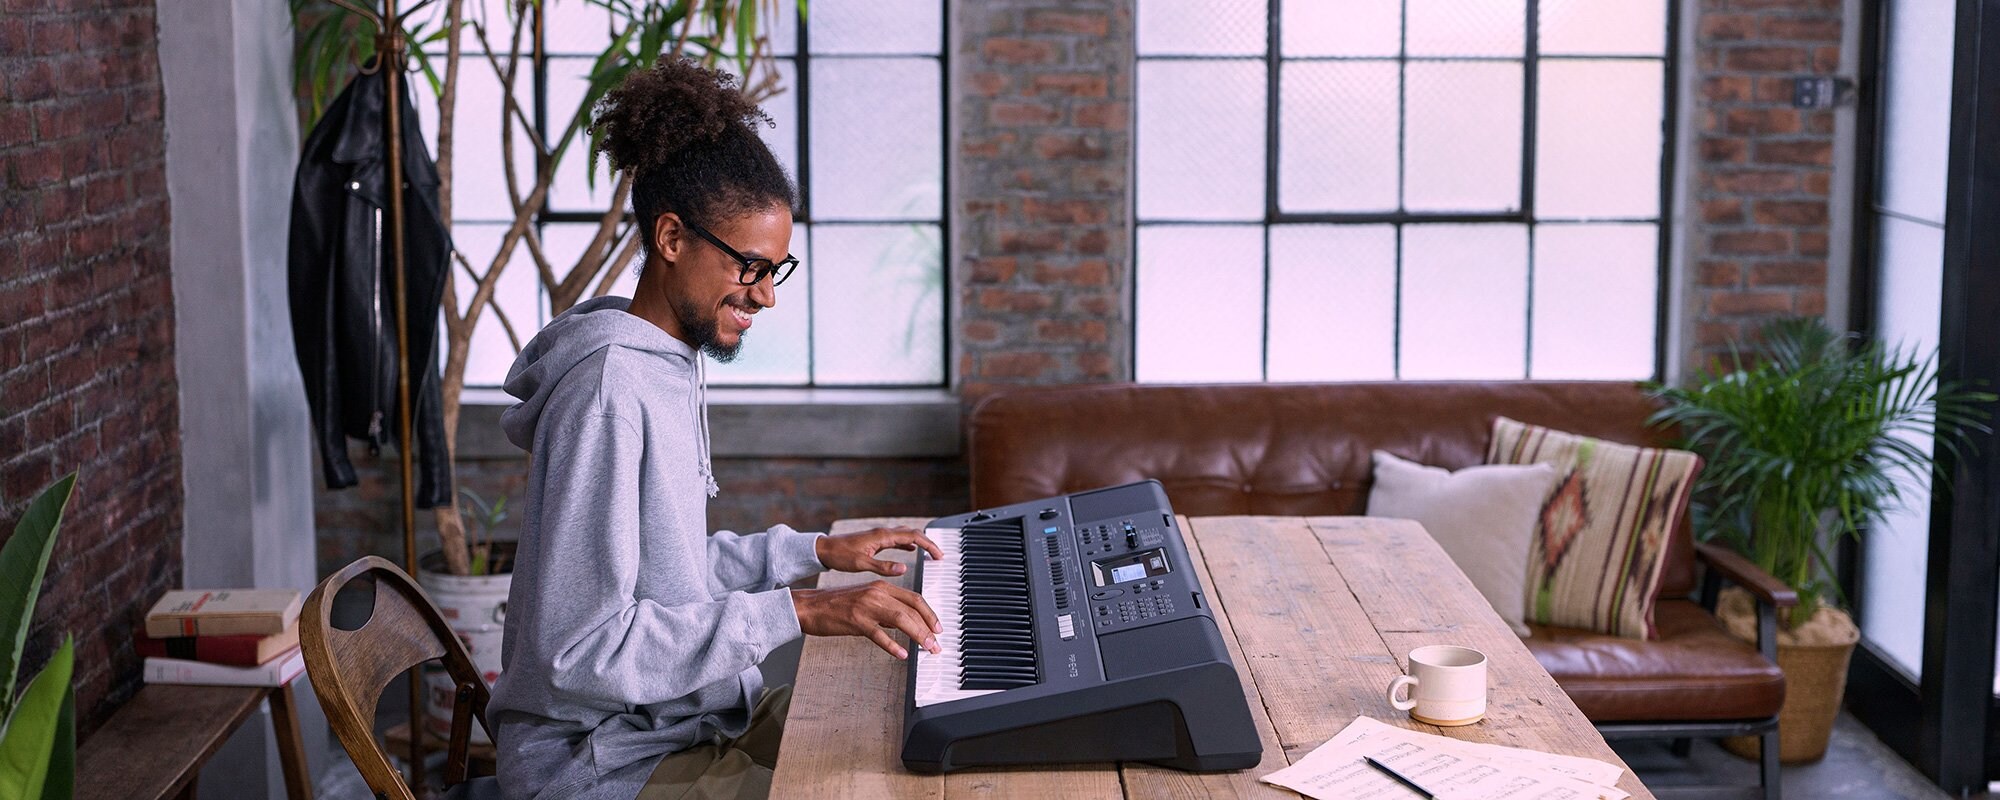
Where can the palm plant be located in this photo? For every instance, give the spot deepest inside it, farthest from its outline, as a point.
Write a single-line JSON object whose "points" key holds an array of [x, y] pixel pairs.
{"points": [[1805, 444]]}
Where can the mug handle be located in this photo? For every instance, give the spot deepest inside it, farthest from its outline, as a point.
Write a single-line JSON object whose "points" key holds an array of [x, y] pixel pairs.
{"points": [[1409, 701]]}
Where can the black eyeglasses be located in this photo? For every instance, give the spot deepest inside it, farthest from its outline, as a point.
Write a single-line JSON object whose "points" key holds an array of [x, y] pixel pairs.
{"points": [[751, 270]]}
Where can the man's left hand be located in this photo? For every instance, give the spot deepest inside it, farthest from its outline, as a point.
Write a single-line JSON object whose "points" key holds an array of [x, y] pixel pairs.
{"points": [[855, 552]]}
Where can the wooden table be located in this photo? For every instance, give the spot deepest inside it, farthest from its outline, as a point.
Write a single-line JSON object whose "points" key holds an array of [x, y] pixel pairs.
{"points": [[1321, 610], [155, 744]]}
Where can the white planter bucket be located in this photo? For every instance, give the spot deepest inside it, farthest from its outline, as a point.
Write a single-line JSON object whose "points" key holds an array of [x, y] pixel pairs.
{"points": [[475, 606]]}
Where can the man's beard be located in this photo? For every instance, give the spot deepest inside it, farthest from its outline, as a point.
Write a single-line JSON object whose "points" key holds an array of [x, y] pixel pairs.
{"points": [[702, 327]]}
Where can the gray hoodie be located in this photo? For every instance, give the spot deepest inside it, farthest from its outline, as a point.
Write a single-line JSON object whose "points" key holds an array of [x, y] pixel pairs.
{"points": [[631, 633]]}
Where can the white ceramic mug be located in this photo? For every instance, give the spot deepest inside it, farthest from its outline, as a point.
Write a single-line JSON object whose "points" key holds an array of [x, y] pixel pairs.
{"points": [[1447, 685]]}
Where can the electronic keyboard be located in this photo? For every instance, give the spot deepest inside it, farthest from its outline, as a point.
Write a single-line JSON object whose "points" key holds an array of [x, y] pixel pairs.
{"points": [[1075, 630]]}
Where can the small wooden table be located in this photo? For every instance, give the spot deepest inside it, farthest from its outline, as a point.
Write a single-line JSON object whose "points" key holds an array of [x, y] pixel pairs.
{"points": [[1322, 611], [155, 744]]}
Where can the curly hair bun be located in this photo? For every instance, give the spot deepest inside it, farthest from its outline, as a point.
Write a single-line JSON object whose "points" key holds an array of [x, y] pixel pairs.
{"points": [[661, 112]]}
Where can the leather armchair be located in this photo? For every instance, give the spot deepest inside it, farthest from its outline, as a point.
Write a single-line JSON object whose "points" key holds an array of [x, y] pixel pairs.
{"points": [[1304, 449]]}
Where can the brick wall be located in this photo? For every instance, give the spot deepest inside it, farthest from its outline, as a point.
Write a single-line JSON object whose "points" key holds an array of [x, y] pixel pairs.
{"points": [[1043, 171], [87, 325], [1764, 169]]}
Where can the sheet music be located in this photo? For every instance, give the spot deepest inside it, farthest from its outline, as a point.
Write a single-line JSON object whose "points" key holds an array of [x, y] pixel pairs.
{"points": [[1453, 769]]}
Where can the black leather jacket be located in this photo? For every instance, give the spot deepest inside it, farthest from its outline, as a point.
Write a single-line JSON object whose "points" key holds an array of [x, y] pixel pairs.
{"points": [[342, 287]]}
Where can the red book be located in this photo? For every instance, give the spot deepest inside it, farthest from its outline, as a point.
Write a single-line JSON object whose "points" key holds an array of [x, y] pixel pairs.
{"points": [[247, 650]]}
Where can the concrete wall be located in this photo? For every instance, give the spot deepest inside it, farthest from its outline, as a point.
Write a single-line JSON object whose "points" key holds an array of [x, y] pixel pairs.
{"points": [[232, 141]]}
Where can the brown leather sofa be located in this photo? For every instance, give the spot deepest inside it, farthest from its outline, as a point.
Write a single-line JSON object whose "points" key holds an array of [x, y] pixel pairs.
{"points": [[1304, 449]]}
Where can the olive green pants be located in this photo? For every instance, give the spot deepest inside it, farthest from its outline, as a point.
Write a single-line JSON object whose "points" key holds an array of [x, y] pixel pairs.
{"points": [[732, 769]]}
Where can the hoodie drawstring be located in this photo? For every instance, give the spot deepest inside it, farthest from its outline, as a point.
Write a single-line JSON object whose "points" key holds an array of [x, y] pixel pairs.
{"points": [[701, 397]]}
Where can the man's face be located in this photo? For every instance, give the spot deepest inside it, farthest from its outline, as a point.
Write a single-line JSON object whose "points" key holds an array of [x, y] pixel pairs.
{"points": [[713, 308]]}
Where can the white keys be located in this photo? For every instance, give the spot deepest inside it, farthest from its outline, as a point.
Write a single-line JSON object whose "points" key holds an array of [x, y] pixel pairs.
{"points": [[938, 675]]}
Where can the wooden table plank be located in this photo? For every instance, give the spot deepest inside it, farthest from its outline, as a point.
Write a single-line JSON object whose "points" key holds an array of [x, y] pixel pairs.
{"points": [[1146, 780], [1317, 660], [155, 744], [1409, 579]]}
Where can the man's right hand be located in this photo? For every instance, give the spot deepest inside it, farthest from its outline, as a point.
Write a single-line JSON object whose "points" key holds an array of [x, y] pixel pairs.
{"points": [[871, 610]]}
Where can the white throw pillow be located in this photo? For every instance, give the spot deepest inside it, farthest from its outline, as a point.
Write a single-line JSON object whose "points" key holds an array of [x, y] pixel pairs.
{"points": [[1484, 517]]}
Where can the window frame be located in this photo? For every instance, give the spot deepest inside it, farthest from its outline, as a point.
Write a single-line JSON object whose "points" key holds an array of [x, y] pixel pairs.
{"points": [[799, 94], [1273, 61]]}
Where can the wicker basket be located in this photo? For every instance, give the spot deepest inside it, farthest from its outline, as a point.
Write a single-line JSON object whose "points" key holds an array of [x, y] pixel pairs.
{"points": [[1815, 678]]}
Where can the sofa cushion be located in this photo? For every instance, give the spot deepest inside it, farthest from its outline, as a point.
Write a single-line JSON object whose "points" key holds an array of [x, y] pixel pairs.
{"points": [[1278, 449], [1595, 561], [1484, 517], [1694, 671]]}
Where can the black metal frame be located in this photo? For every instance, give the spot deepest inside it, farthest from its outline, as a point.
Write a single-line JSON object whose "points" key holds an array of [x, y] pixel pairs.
{"points": [[1530, 61], [801, 58], [1948, 723]]}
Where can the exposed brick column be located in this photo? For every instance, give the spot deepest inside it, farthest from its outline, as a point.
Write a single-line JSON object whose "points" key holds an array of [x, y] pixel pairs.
{"points": [[1043, 238], [87, 380], [1764, 170]]}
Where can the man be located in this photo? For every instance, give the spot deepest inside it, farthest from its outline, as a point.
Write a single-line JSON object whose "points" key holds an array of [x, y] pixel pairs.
{"points": [[633, 637]]}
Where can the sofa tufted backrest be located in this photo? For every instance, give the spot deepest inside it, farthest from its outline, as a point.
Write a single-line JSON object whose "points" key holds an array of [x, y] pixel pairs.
{"points": [[1279, 449]]}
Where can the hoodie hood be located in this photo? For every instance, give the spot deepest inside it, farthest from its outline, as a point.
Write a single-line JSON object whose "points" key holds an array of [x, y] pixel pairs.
{"points": [[578, 333]]}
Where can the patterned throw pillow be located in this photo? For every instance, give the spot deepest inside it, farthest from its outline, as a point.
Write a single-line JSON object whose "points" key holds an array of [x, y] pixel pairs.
{"points": [[1599, 548]]}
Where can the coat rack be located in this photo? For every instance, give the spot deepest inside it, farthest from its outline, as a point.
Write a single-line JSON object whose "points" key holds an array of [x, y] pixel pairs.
{"points": [[390, 57]]}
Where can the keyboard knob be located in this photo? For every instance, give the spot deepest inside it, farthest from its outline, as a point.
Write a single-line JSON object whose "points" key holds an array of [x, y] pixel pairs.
{"points": [[1048, 513]]}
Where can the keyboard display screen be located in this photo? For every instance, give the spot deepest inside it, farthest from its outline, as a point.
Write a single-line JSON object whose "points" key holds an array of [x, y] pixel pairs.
{"points": [[1131, 567]]}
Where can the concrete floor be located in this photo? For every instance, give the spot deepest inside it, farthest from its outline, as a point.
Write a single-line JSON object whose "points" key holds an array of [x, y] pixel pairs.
{"points": [[1857, 766]]}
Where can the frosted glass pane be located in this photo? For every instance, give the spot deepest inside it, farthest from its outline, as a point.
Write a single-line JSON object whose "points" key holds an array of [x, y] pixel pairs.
{"points": [[574, 28], [1916, 118], [569, 80], [877, 133], [1200, 303], [1465, 293], [783, 108], [1352, 28], [490, 354], [1599, 28], [1201, 27], [1597, 150], [1896, 550], [1201, 140], [1337, 130], [1333, 302], [479, 185], [776, 350], [1596, 298], [874, 26], [1462, 28], [1462, 136], [878, 304]]}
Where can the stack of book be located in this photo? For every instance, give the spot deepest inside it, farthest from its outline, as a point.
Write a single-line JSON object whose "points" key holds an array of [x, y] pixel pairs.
{"points": [[223, 637]]}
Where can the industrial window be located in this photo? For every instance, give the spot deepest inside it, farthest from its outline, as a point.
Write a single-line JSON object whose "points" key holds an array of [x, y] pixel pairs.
{"points": [[859, 125], [1413, 189]]}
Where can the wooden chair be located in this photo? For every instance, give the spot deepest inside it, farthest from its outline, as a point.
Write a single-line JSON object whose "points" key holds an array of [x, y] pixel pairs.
{"points": [[350, 669]]}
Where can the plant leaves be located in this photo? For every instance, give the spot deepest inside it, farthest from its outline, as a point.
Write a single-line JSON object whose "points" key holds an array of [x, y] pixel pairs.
{"points": [[28, 746], [61, 781], [23, 561]]}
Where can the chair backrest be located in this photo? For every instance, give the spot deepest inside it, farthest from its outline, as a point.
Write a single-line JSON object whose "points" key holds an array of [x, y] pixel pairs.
{"points": [[350, 669]]}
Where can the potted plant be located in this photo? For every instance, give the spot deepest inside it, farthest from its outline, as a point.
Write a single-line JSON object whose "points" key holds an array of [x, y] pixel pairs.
{"points": [[37, 729], [473, 604], [1805, 444]]}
